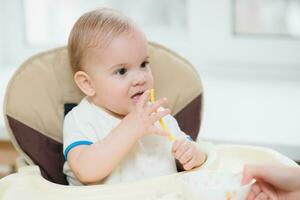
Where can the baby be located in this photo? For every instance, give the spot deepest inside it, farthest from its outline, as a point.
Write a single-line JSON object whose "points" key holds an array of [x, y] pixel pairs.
{"points": [[113, 135]]}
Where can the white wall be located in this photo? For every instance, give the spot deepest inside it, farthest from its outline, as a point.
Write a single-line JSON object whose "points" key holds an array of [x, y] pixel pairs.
{"points": [[252, 85], [14, 47], [1, 35], [209, 41], [215, 44]]}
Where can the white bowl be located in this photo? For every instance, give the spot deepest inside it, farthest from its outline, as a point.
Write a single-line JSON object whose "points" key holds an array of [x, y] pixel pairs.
{"points": [[214, 185]]}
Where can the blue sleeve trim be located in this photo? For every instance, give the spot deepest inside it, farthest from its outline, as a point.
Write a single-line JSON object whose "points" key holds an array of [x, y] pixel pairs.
{"points": [[189, 138], [75, 144]]}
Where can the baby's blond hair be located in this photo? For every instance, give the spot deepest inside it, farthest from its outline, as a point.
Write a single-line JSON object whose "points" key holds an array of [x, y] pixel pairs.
{"points": [[95, 29]]}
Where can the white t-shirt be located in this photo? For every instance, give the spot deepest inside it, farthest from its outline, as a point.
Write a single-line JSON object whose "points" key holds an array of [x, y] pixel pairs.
{"points": [[151, 156]]}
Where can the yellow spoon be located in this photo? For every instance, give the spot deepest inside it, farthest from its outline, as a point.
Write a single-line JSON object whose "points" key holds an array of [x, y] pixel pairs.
{"points": [[161, 121]]}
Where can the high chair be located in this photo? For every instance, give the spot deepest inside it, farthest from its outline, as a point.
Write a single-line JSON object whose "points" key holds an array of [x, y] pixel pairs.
{"points": [[42, 91]]}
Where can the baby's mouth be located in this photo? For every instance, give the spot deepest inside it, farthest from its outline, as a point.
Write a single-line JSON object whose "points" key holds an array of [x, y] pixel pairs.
{"points": [[137, 95]]}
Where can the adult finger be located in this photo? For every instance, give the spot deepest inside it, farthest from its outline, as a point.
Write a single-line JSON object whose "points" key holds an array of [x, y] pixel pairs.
{"points": [[251, 196], [255, 190], [268, 189], [279, 176], [262, 196]]}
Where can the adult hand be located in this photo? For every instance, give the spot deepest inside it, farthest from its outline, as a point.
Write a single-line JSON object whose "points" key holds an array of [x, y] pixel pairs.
{"points": [[273, 182]]}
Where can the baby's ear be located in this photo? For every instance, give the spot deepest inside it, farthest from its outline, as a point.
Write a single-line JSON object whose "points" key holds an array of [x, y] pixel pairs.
{"points": [[84, 83]]}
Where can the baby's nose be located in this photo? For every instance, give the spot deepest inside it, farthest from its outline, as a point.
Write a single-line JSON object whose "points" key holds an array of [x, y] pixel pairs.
{"points": [[139, 79]]}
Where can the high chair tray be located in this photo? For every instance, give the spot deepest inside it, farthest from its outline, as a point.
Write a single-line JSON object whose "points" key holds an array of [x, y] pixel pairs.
{"points": [[28, 183]]}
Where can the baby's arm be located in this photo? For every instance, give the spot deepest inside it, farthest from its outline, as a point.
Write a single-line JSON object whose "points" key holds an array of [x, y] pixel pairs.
{"points": [[93, 163]]}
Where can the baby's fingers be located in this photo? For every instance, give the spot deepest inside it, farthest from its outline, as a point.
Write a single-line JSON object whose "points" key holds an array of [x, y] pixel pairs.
{"points": [[189, 165], [187, 156], [158, 131], [176, 144], [143, 100], [181, 149], [157, 104], [158, 115]]}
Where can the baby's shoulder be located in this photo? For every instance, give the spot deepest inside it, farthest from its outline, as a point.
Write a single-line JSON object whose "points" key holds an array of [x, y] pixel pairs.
{"points": [[88, 113], [82, 112]]}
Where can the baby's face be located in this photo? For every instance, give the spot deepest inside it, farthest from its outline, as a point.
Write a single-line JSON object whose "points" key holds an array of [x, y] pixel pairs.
{"points": [[120, 73]]}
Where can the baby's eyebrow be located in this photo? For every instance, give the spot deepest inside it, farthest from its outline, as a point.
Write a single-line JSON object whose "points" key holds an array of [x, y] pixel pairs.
{"points": [[125, 64], [146, 59], [118, 65]]}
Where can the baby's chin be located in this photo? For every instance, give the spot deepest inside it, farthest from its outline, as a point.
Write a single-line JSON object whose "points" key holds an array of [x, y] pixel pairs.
{"points": [[118, 115], [115, 112], [121, 113]]}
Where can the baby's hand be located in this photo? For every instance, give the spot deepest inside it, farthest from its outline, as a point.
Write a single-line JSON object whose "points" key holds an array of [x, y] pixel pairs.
{"points": [[141, 120], [186, 152]]}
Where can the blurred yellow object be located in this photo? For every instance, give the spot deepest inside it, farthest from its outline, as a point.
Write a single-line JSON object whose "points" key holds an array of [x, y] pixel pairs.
{"points": [[161, 121]]}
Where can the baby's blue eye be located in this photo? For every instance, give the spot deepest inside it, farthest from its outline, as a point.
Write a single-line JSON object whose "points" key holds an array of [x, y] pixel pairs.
{"points": [[121, 71], [144, 64]]}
